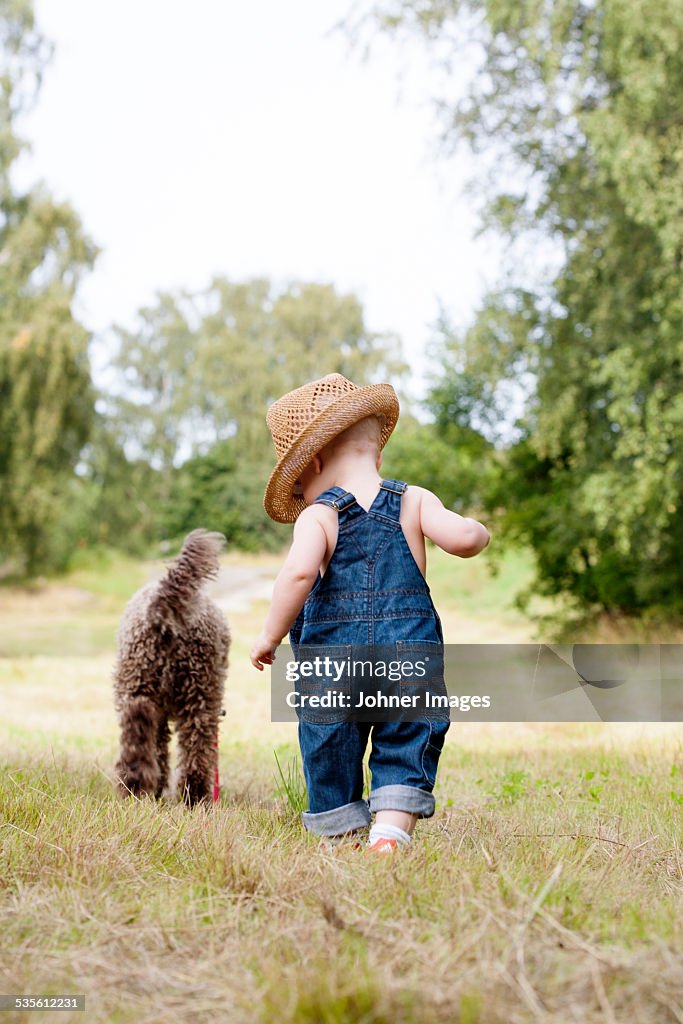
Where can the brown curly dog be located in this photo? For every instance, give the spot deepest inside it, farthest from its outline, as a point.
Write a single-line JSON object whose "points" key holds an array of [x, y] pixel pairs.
{"points": [[172, 661]]}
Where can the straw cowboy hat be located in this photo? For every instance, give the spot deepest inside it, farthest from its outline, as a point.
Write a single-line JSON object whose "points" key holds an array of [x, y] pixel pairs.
{"points": [[303, 421]]}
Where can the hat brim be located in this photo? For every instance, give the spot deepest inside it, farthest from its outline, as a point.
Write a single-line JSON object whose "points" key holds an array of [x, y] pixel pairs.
{"points": [[279, 501]]}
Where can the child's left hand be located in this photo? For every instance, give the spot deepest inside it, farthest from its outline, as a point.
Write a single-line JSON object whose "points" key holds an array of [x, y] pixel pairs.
{"points": [[263, 651]]}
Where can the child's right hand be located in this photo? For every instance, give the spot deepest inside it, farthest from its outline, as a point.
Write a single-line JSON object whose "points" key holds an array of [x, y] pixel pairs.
{"points": [[263, 651]]}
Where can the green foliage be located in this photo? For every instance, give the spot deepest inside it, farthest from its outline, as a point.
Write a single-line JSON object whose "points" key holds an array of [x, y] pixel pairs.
{"points": [[204, 367], [291, 785], [118, 495], [195, 379], [222, 491], [575, 110], [46, 400], [510, 787], [444, 459]]}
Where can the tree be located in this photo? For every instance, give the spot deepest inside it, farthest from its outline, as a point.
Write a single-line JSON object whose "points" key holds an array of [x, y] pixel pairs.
{"points": [[575, 106], [46, 399], [222, 490], [205, 366], [198, 374]]}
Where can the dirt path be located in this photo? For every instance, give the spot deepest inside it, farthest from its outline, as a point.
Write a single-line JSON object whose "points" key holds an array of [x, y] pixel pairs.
{"points": [[238, 586]]}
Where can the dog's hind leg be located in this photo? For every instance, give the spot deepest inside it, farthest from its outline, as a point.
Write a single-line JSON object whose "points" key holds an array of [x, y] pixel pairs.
{"points": [[137, 769], [197, 750]]}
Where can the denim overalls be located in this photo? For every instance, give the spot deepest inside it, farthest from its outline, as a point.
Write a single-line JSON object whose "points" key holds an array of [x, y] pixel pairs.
{"points": [[372, 593]]}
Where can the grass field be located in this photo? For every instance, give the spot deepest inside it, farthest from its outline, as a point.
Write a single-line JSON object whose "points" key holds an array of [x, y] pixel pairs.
{"points": [[548, 886]]}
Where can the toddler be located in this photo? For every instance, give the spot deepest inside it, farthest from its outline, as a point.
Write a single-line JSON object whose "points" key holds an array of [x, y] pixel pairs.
{"points": [[355, 575]]}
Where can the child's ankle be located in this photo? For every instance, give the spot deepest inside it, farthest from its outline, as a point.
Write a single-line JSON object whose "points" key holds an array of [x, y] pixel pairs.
{"points": [[397, 819], [391, 834]]}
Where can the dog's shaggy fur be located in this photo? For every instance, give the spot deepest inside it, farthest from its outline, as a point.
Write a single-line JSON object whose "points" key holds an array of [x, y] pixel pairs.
{"points": [[171, 665]]}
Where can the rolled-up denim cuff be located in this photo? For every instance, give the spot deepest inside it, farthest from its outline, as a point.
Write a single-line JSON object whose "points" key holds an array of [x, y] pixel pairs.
{"points": [[339, 820], [403, 798]]}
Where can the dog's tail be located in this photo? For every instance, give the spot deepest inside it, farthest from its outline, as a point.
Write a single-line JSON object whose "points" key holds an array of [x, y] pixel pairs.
{"points": [[198, 561]]}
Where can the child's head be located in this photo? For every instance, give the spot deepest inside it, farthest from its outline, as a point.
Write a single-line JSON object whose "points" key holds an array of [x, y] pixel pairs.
{"points": [[330, 417], [361, 442], [366, 435]]}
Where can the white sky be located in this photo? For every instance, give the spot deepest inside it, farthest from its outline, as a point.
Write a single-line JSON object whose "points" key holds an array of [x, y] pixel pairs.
{"points": [[210, 137]]}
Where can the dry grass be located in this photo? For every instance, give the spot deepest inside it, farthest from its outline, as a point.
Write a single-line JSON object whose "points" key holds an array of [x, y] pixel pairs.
{"points": [[548, 887]]}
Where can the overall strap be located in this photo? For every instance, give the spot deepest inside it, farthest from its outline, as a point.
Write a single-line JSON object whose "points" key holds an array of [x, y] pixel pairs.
{"points": [[388, 501], [338, 499]]}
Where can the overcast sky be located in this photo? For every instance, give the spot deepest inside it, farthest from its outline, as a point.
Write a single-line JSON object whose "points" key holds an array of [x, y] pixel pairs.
{"points": [[208, 137]]}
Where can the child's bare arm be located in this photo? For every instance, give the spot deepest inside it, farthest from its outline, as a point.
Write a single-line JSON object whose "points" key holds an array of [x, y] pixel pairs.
{"points": [[293, 585], [458, 535]]}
